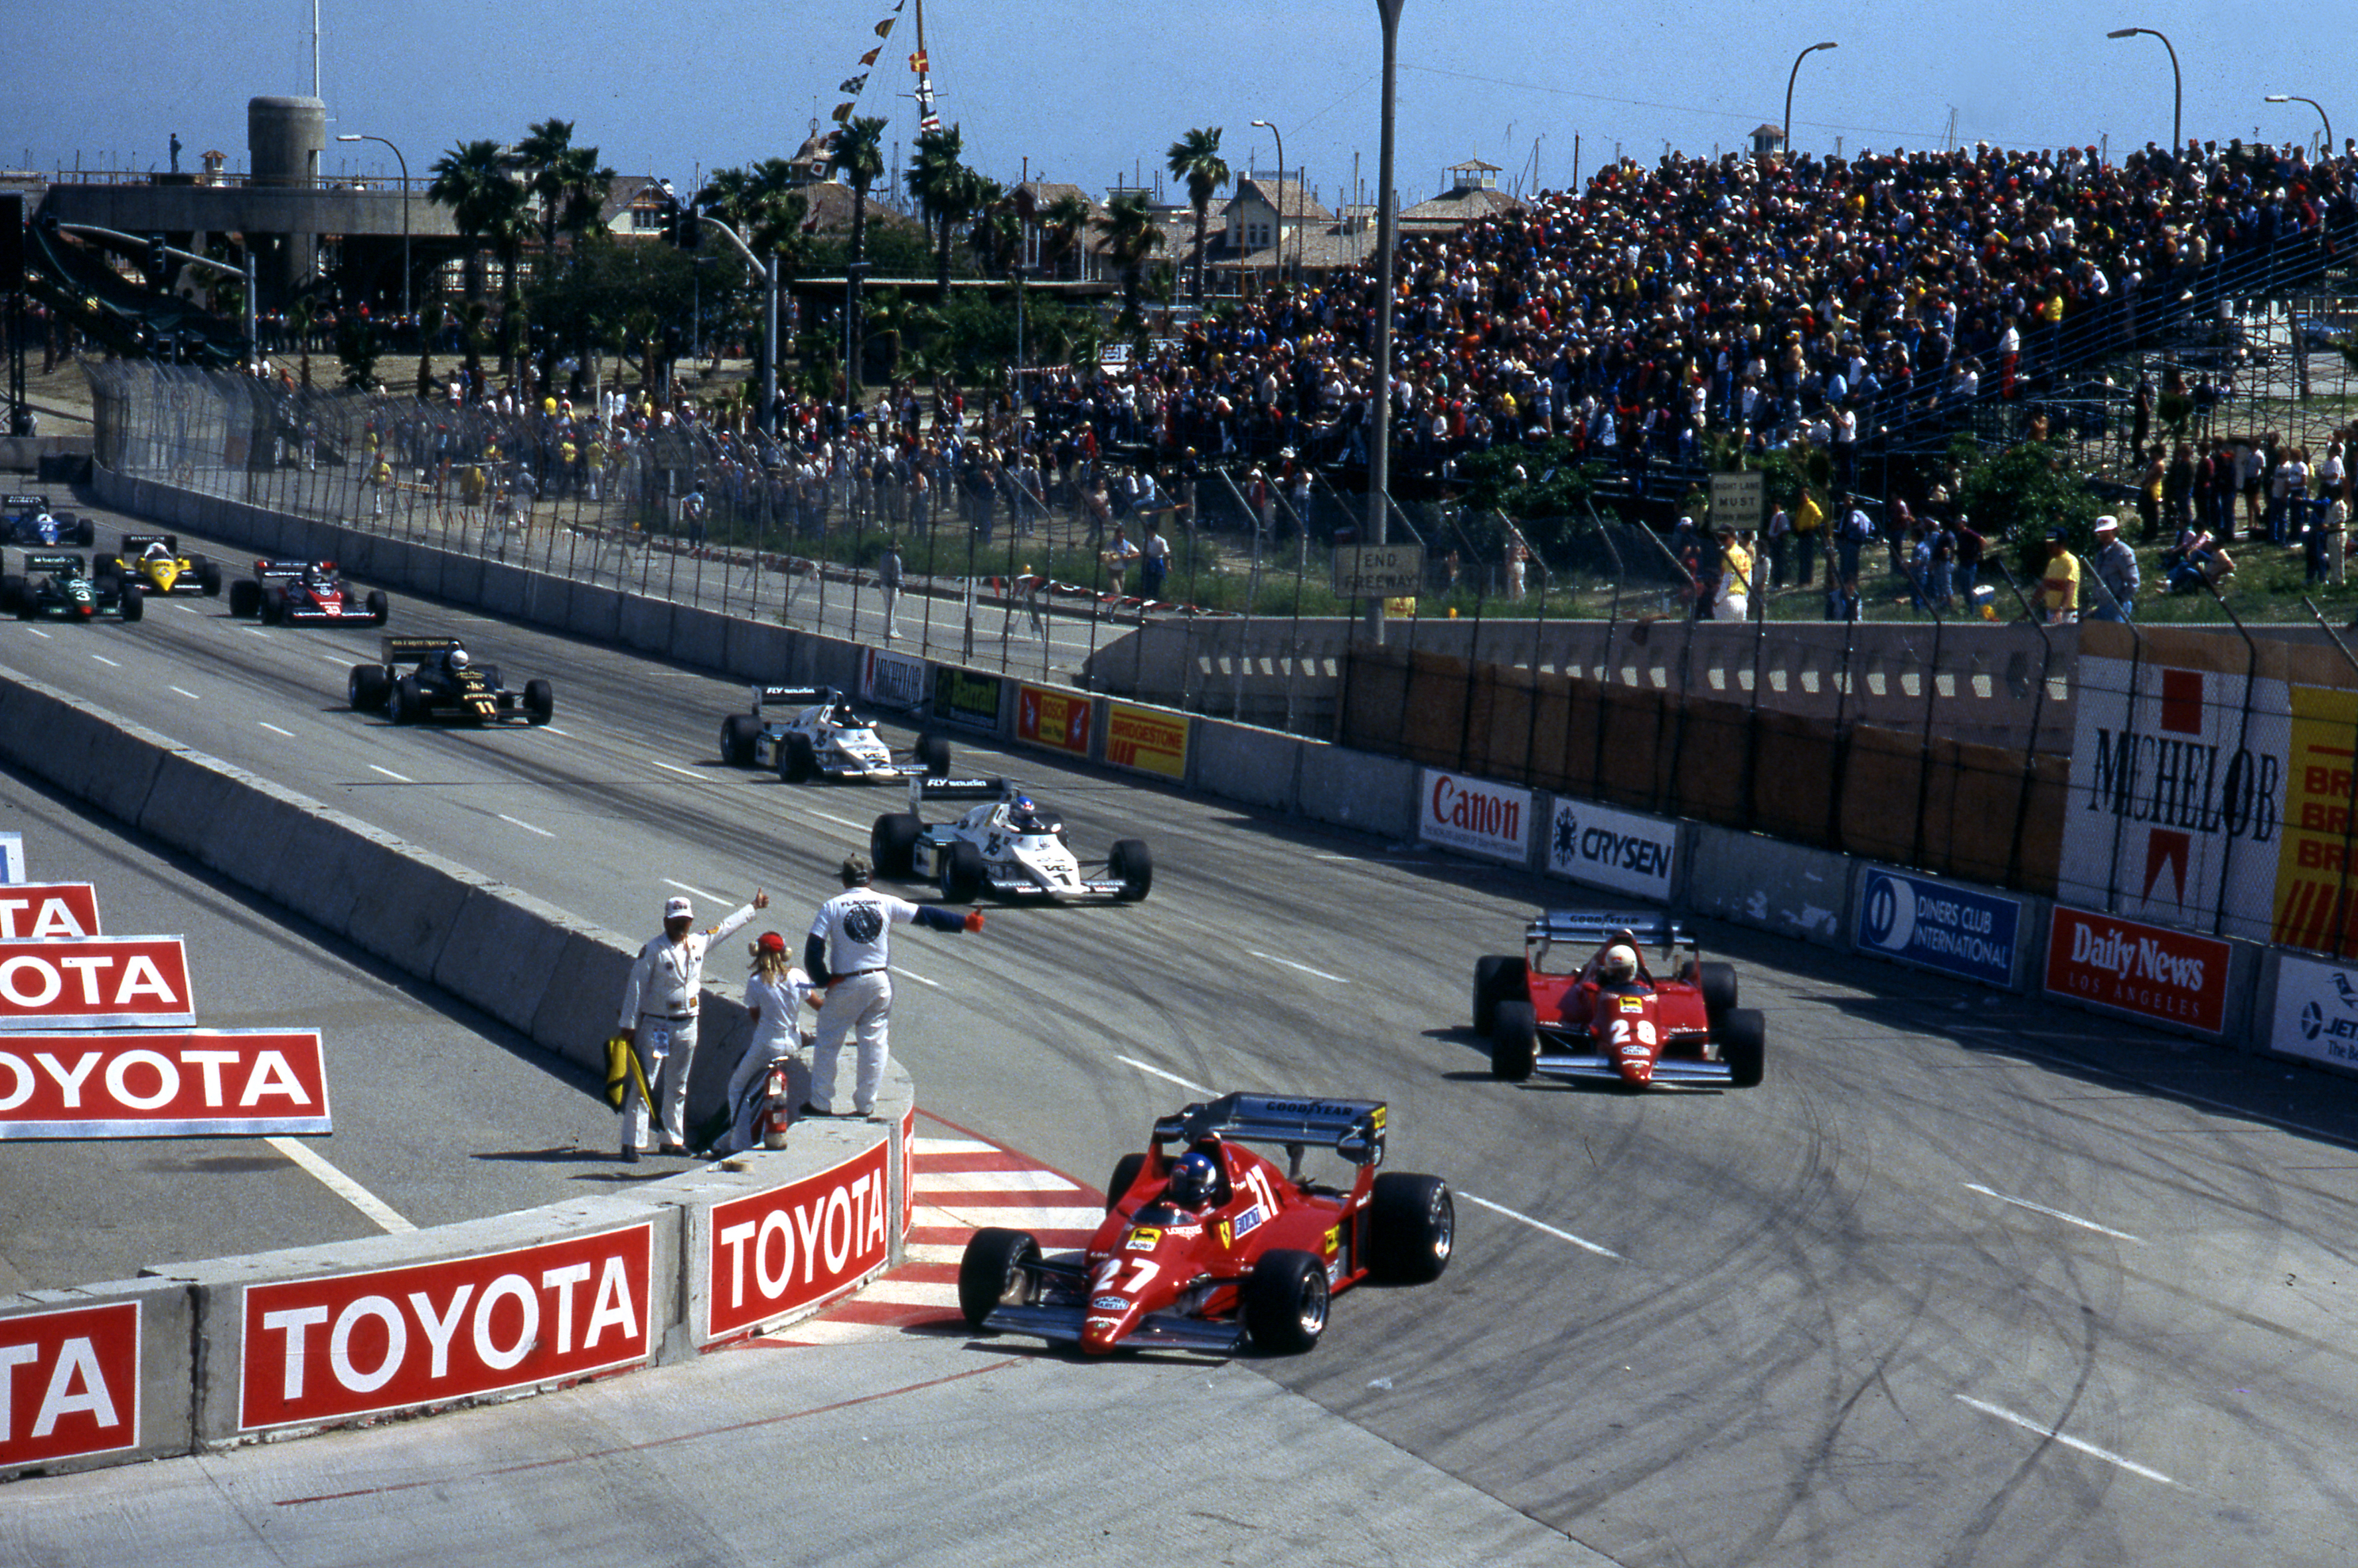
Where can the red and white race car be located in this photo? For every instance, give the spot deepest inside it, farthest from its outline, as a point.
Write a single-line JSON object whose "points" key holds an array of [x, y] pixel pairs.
{"points": [[1213, 1246], [306, 593], [1607, 1016]]}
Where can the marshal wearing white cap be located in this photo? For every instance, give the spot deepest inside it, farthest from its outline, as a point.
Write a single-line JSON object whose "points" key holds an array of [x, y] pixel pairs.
{"points": [[659, 1010]]}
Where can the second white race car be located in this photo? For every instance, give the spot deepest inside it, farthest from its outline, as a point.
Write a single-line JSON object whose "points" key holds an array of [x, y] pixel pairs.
{"points": [[1005, 847], [805, 732]]}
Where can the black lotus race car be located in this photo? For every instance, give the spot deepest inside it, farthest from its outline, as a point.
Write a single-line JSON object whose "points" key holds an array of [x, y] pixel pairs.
{"points": [[812, 732], [53, 585], [27, 520], [284, 593], [442, 681], [155, 561]]}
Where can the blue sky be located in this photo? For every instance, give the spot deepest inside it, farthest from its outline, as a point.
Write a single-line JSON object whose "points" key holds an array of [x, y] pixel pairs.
{"points": [[671, 88]]}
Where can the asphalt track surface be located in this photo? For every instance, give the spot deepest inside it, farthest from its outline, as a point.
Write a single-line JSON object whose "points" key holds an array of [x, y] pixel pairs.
{"points": [[1967, 1280]]}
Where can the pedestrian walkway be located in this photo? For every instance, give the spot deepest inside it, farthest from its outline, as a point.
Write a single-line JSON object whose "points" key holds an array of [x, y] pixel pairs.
{"points": [[962, 1184]]}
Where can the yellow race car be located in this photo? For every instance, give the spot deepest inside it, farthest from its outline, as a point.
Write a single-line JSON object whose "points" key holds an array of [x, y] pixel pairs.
{"points": [[154, 562]]}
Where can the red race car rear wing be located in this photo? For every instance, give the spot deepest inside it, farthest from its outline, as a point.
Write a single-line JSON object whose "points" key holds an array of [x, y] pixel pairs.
{"points": [[1354, 1129], [267, 570], [1592, 928]]}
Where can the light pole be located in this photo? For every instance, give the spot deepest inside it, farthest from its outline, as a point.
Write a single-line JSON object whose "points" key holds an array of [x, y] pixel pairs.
{"points": [[2176, 84], [1379, 455], [1786, 134], [1272, 130], [358, 136], [2297, 98]]}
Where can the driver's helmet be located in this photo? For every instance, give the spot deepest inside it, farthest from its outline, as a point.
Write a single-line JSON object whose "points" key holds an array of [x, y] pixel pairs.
{"points": [[156, 551], [1023, 817], [842, 716], [1618, 966], [458, 660], [1193, 1177], [318, 576]]}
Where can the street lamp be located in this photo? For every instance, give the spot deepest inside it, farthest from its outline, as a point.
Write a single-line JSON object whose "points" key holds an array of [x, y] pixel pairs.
{"points": [[1790, 76], [358, 136], [1380, 456], [2297, 98], [2177, 84], [1272, 130]]}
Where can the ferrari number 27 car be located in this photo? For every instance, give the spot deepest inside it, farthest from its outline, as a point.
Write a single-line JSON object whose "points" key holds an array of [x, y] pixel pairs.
{"points": [[304, 592], [1606, 1015], [442, 681], [805, 732], [1007, 847], [1210, 1245]]}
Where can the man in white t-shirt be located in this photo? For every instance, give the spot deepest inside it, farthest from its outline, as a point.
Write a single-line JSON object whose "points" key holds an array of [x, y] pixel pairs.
{"points": [[848, 952]]}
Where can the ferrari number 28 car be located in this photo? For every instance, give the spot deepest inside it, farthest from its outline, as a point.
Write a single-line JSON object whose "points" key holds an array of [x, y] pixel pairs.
{"points": [[443, 682], [1605, 1015], [805, 732], [303, 593], [1007, 847], [1214, 1245]]}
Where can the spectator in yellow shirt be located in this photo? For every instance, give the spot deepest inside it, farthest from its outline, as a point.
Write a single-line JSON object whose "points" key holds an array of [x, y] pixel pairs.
{"points": [[2059, 588]]}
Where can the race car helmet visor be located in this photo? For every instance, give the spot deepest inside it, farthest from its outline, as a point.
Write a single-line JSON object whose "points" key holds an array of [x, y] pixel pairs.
{"points": [[1193, 1176]]}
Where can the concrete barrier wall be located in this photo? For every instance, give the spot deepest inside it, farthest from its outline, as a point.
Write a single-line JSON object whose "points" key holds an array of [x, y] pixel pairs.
{"points": [[1769, 884], [548, 974]]}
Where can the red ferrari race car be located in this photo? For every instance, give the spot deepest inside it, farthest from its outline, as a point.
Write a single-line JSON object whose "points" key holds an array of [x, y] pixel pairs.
{"points": [[1214, 1246], [1607, 1016], [304, 592]]}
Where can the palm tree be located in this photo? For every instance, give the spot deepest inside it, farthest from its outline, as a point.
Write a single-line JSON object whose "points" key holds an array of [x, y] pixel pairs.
{"points": [[566, 180], [997, 238], [938, 180], [856, 153], [1129, 234], [485, 199], [1064, 219], [1196, 158]]}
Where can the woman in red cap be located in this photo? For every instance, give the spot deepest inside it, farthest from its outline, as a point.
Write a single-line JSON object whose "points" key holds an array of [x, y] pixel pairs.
{"points": [[775, 994]]}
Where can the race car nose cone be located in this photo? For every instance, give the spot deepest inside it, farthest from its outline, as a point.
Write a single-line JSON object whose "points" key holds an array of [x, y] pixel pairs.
{"points": [[1109, 1321]]}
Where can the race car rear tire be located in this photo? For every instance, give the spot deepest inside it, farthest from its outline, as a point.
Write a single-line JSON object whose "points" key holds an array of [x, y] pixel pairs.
{"points": [[274, 608], [934, 754], [1514, 1040], [407, 700], [1285, 1301], [798, 760], [134, 603], [1743, 1038], [368, 688], [739, 732], [1411, 1228], [246, 599], [12, 594], [962, 873], [540, 702], [1718, 983], [1130, 864], [379, 607], [1125, 1172], [892, 844], [84, 534], [209, 576], [999, 1267], [1496, 980]]}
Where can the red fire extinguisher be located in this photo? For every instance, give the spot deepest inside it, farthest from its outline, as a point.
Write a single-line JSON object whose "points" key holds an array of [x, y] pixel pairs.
{"points": [[778, 1112]]}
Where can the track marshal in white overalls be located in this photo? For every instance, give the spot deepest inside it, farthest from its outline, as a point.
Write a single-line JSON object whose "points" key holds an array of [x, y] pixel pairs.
{"points": [[659, 1008]]}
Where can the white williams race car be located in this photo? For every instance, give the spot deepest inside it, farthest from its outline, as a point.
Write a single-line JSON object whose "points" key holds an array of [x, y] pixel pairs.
{"points": [[807, 732], [1007, 846]]}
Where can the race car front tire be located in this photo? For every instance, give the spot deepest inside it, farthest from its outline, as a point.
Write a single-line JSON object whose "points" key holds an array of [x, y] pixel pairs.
{"points": [[209, 576], [274, 608], [739, 732], [1285, 1301], [409, 701], [999, 1268], [962, 873], [13, 595], [1514, 1040], [540, 702], [1743, 1038], [1125, 1172], [379, 607], [246, 599], [1411, 1225], [1130, 864], [368, 688], [892, 844], [133, 603], [1497, 979], [797, 760], [933, 754]]}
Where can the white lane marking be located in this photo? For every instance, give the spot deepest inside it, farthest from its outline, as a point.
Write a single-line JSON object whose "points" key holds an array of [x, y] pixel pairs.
{"points": [[684, 772], [102, 659], [905, 974], [399, 778], [2055, 1214], [1305, 969], [44, 636], [684, 888], [191, 695], [1539, 1224], [275, 730], [519, 822], [2090, 1449], [340, 662], [343, 1187], [554, 731], [1167, 1077], [254, 632], [839, 821]]}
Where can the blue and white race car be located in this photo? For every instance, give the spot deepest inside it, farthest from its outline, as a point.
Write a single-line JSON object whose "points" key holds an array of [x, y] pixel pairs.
{"points": [[27, 520], [805, 732], [1007, 846]]}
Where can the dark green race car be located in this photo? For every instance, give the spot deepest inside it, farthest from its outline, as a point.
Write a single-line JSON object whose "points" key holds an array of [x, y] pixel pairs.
{"points": [[54, 585]]}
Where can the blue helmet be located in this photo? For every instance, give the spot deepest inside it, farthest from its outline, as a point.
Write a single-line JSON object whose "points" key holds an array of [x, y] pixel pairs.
{"points": [[1193, 1179]]}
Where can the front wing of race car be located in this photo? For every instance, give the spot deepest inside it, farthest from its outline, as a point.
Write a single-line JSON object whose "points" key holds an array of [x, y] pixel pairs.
{"points": [[1061, 1320], [1590, 1067], [307, 609]]}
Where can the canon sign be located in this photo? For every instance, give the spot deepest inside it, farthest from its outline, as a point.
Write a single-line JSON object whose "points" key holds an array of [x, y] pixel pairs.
{"points": [[791, 1246], [1474, 815]]}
